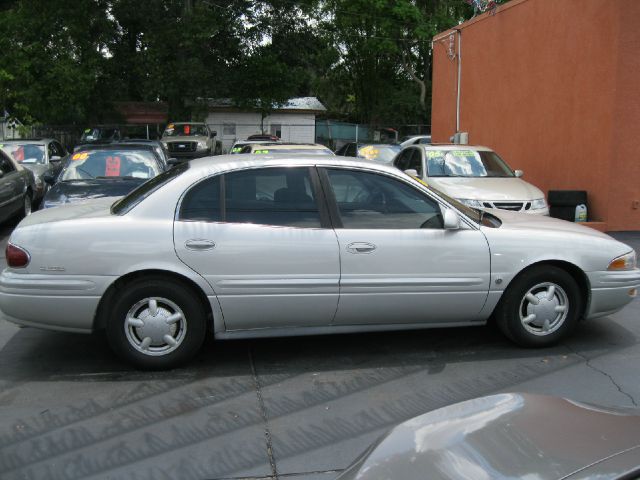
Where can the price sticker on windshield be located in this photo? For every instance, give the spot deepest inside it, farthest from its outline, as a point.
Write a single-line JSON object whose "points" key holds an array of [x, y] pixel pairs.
{"points": [[80, 156], [369, 152], [112, 167], [463, 153], [434, 154]]}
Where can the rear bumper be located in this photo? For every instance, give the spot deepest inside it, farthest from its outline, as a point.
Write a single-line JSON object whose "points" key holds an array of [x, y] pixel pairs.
{"points": [[55, 302], [611, 291]]}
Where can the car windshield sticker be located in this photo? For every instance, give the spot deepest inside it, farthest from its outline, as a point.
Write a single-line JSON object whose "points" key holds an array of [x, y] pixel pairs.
{"points": [[435, 154], [18, 155], [369, 152], [261, 151], [112, 168], [87, 130], [80, 156], [463, 153], [236, 149], [170, 126], [187, 129]]}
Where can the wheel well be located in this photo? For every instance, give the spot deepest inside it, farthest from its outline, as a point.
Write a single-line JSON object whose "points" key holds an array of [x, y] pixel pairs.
{"points": [[578, 275], [100, 319]]}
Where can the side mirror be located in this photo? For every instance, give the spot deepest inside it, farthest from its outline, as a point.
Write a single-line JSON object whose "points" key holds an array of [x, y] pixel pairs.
{"points": [[49, 178], [451, 219], [518, 173], [55, 158], [173, 161], [213, 134], [412, 172]]}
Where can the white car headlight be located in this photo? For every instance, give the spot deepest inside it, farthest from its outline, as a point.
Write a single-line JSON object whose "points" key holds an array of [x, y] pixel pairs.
{"points": [[538, 204], [623, 262], [202, 144], [471, 203]]}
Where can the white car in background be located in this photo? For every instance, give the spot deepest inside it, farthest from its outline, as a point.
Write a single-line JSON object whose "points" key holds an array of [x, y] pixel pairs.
{"points": [[473, 175]]}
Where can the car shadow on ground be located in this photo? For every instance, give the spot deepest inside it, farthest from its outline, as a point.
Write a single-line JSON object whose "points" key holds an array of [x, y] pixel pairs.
{"points": [[34, 354]]}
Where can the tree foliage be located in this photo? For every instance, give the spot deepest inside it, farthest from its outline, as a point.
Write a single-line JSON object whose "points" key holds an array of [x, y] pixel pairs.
{"points": [[368, 60]]}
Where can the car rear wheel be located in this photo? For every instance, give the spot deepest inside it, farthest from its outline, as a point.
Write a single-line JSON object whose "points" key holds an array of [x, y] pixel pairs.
{"points": [[540, 307], [156, 323]]}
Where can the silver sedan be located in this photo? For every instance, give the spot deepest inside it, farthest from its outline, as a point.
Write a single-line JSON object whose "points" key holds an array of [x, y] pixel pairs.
{"points": [[277, 245]]}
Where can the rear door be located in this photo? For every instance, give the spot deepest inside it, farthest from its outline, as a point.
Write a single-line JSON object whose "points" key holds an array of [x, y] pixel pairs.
{"points": [[263, 240], [12, 187], [398, 264]]}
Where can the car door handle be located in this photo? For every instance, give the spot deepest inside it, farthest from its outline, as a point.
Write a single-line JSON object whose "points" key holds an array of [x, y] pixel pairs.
{"points": [[360, 247], [199, 244]]}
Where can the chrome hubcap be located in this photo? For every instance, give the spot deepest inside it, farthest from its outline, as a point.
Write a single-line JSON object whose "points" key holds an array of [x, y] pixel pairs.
{"points": [[544, 308], [155, 326]]}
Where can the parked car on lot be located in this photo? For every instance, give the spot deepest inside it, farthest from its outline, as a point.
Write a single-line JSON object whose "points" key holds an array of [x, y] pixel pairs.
{"points": [[43, 156], [268, 245], [17, 188], [190, 140], [240, 144], [103, 171], [263, 137], [159, 147], [473, 175], [286, 148], [101, 133], [379, 152], [415, 140], [508, 436]]}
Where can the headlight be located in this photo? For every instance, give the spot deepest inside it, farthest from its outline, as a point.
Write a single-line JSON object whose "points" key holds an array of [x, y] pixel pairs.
{"points": [[471, 203], [166, 145], [623, 262], [538, 204], [202, 144], [39, 182]]}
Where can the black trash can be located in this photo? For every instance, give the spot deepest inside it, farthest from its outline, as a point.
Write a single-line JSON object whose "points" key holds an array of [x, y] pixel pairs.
{"points": [[563, 203]]}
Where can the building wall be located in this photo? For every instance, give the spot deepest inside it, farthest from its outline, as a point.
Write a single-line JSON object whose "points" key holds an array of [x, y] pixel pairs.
{"points": [[294, 127], [546, 84]]}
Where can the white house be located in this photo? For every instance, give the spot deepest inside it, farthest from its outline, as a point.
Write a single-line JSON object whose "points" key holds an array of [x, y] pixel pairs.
{"points": [[294, 121]]}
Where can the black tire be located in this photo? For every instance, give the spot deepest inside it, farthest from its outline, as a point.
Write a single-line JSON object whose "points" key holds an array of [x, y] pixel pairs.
{"points": [[514, 309], [126, 340]]}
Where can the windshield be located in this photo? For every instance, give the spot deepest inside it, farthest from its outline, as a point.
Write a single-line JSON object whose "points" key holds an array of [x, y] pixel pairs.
{"points": [[25, 153], [130, 200], [307, 151], [93, 134], [110, 164], [379, 153], [466, 163], [185, 130]]}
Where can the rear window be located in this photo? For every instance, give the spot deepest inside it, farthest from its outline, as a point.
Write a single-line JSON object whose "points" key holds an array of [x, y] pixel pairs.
{"points": [[129, 201]]}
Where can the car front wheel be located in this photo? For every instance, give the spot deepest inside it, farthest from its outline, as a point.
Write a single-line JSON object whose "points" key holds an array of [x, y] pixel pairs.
{"points": [[156, 323], [540, 307]]}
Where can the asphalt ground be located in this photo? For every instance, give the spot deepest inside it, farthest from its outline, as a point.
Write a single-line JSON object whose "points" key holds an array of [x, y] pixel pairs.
{"points": [[294, 408]]}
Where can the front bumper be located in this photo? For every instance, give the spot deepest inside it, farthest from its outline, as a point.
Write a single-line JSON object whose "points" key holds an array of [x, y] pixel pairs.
{"points": [[189, 155], [610, 291], [55, 302]]}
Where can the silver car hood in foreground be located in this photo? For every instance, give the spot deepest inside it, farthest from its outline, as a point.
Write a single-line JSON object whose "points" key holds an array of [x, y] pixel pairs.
{"points": [[506, 436]]}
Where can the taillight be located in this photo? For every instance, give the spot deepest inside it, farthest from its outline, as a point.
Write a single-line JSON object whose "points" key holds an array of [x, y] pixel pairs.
{"points": [[16, 257]]}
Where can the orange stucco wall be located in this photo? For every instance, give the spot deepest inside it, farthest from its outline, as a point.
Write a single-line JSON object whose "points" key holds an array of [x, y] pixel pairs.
{"points": [[554, 87]]}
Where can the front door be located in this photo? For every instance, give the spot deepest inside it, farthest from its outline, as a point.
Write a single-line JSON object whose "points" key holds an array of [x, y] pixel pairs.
{"points": [[398, 264], [260, 240]]}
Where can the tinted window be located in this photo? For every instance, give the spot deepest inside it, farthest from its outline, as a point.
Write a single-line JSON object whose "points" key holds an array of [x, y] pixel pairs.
{"points": [[5, 164], [373, 201], [350, 151], [402, 160], [202, 202], [271, 196], [415, 161]]}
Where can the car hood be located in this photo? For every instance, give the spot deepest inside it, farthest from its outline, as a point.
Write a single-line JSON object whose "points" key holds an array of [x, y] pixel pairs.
{"points": [[80, 209], [184, 138], [485, 188], [67, 192], [540, 223], [499, 437]]}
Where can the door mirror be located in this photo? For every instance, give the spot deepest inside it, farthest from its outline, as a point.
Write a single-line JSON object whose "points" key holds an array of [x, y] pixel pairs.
{"points": [[173, 161], [49, 178], [213, 134], [451, 219], [55, 158], [412, 172], [518, 173]]}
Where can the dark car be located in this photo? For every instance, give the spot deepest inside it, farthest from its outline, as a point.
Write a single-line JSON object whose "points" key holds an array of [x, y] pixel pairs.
{"points": [[379, 152], [40, 155], [103, 171], [101, 133], [262, 137], [17, 186]]}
